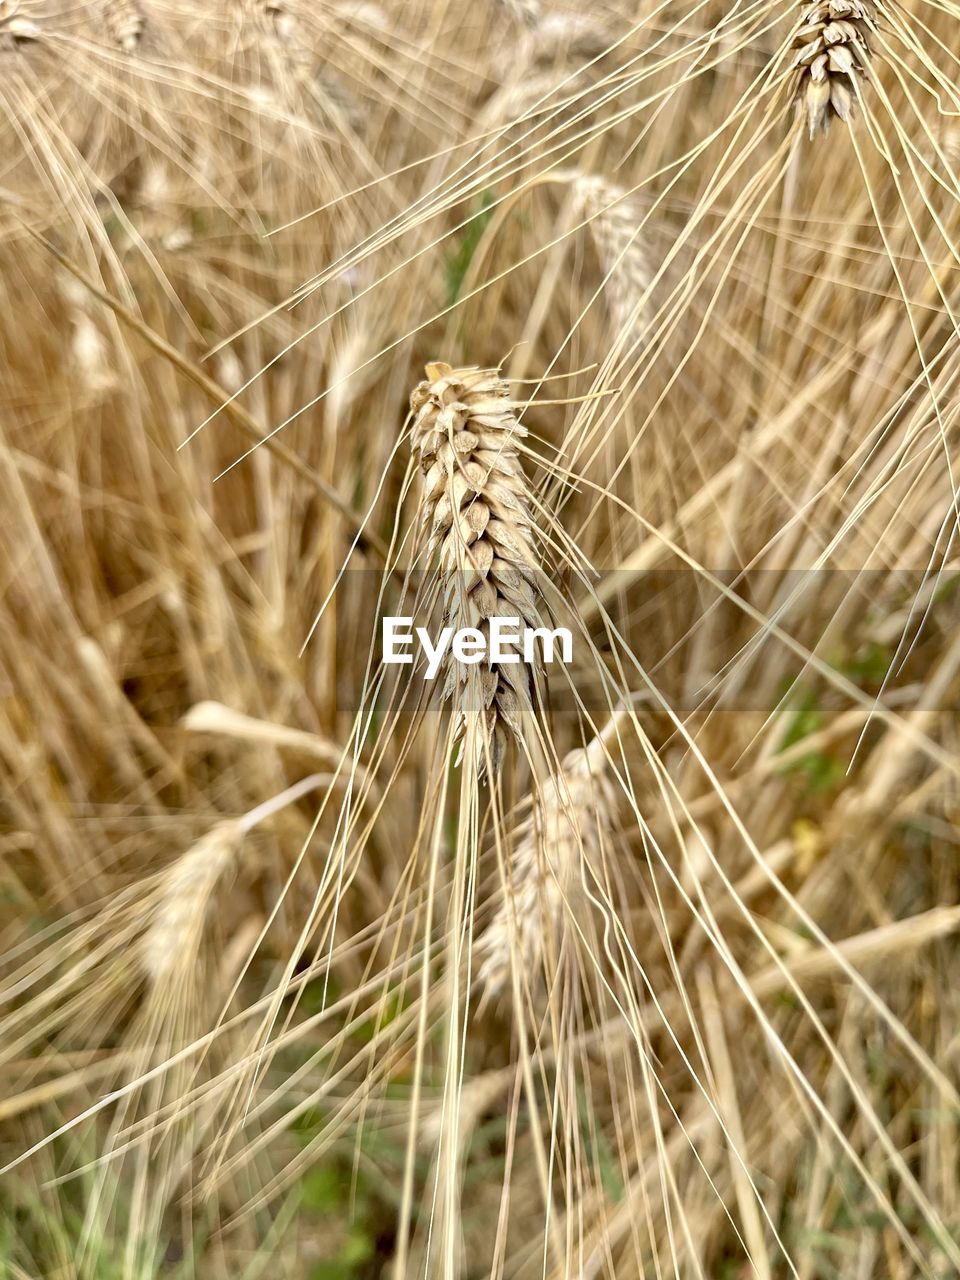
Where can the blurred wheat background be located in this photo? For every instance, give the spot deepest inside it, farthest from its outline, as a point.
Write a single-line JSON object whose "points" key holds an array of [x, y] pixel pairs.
{"points": [[646, 966]]}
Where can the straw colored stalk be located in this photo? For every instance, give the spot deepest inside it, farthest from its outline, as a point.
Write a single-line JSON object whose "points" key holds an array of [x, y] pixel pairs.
{"points": [[571, 824], [833, 48], [476, 519]]}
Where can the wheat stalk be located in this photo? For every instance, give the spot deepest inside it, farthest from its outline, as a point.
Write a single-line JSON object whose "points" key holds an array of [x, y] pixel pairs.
{"points": [[213, 717], [833, 48], [571, 823], [476, 518]]}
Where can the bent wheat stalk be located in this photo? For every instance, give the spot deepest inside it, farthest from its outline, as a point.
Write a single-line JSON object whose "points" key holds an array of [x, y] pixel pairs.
{"points": [[476, 518], [833, 49], [571, 823]]}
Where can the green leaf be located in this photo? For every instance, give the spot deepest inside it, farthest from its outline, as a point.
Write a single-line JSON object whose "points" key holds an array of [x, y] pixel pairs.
{"points": [[357, 1248], [324, 1189], [458, 262]]}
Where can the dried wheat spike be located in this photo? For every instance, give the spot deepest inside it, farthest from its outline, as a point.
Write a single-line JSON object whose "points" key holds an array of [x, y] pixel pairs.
{"points": [[614, 219], [15, 30], [574, 37], [183, 900], [478, 526], [277, 17], [571, 823], [833, 47], [525, 12], [125, 23]]}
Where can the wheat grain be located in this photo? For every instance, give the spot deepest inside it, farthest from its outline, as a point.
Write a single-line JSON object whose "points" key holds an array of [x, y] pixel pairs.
{"points": [[541, 72], [89, 350], [526, 100], [476, 518], [181, 902], [816, 305], [571, 823], [569, 37], [833, 48]]}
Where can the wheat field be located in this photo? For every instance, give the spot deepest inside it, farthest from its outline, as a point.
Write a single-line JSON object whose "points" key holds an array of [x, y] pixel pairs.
{"points": [[636, 320]]}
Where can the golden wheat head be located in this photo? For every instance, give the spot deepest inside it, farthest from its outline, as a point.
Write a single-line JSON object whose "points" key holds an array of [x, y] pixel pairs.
{"points": [[571, 822], [477, 521], [184, 897], [15, 29], [833, 48], [614, 221]]}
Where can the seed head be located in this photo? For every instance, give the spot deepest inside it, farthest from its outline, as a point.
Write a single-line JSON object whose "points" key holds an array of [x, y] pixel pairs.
{"points": [[125, 23], [15, 30], [614, 221], [477, 524], [832, 48], [184, 898], [571, 822]]}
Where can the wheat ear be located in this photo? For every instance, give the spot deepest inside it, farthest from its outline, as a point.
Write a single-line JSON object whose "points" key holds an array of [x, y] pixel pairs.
{"points": [[184, 899], [572, 822], [15, 30], [833, 48], [277, 16], [614, 222], [124, 23], [186, 889], [525, 12], [476, 518]]}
